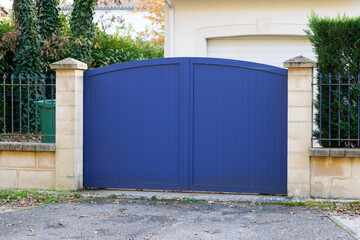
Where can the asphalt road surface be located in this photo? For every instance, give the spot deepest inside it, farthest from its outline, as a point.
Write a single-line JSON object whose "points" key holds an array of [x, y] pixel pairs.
{"points": [[152, 219]]}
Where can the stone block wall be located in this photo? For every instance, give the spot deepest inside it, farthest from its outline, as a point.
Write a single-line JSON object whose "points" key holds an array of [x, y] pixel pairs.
{"points": [[335, 173], [69, 123], [300, 74], [26, 167], [322, 172], [38, 165]]}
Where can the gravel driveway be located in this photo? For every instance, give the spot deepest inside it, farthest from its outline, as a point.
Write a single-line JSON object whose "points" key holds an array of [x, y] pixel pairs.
{"points": [[152, 219]]}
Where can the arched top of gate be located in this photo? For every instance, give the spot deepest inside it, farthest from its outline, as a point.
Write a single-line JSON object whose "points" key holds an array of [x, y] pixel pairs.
{"points": [[239, 64], [188, 60]]}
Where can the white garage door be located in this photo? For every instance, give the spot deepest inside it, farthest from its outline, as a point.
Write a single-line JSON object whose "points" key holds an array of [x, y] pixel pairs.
{"points": [[272, 50]]}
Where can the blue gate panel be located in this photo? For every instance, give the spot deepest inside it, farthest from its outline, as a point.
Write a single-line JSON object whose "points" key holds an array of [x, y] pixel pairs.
{"points": [[197, 124], [133, 128], [237, 114]]}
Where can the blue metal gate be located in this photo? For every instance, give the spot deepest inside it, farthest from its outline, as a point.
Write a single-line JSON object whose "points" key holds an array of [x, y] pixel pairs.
{"points": [[193, 124]]}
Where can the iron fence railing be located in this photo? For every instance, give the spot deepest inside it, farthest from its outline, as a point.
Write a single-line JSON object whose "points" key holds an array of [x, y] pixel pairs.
{"points": [[337, 110], [27, 111]]}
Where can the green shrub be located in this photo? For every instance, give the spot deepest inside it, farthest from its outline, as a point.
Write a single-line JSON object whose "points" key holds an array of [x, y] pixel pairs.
{"points": [[6, 52], [28, 62], [336, 42], [64, 33], [82, 29], [49, 24], [7, 63], [121, 47]]}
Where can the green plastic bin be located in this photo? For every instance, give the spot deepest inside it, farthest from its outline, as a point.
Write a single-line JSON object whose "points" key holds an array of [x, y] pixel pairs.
{"points": [[49, 121]]}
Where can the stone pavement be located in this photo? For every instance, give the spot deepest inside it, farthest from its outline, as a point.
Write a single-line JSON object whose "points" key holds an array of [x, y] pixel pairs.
{"points": [[352, 225]]}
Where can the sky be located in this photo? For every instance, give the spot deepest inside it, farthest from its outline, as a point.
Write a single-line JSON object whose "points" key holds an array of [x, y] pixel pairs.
{"points": [[6, 3]]}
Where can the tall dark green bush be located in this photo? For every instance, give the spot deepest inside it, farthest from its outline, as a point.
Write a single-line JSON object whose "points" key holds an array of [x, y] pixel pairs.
{"points": [[49, 24], [6, 61], [28, 48], [117, 48], [27, 60], [64, 33], [6, 52], [336, 42], [49, 18], [82, 29]]}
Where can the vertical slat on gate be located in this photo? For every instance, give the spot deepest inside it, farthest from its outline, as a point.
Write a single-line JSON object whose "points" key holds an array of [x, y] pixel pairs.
{"points": [[284, 132], [86, 130], [254, 106], [186, 123]]}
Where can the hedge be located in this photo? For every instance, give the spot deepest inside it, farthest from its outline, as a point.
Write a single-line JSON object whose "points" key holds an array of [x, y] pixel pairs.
{"points": [[336, 42], [122, 47]]}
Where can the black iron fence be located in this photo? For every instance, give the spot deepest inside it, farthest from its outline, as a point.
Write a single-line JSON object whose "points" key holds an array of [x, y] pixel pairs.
{"points": [[337, 110], [27, 111]]}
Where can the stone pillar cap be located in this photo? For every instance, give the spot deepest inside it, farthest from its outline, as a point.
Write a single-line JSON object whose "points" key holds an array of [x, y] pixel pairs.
{"points": [[69, 63], [300, 62]]}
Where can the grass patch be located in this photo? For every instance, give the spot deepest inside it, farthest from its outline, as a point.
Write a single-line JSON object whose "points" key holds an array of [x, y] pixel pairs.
{"points": [[34, 197], [191, 200], [111, 196], [293, 204], [175, 199], [154, 198], [334, 208], [340, 207]]}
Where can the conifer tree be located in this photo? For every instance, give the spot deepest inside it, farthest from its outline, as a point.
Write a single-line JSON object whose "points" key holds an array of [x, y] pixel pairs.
{"points": [[82, 29], [49, 25], [336, 42], [28, 64]]}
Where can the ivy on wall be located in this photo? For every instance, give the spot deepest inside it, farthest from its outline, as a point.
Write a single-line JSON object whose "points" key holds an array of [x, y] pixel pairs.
{"points": [[28, 60], [48, 12], [7, 37], [82, 29], [28, 44]]}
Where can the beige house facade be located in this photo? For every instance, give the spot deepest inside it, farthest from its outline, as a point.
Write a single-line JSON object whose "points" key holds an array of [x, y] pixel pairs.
{"points": [[263, 31]]}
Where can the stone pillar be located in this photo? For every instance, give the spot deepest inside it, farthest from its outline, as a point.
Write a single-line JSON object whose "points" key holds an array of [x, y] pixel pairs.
{"points": [[300, 119], [69, 124]]}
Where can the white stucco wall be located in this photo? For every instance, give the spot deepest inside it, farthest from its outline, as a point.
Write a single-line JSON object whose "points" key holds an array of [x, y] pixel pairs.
{"points": [[197, 21]]}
